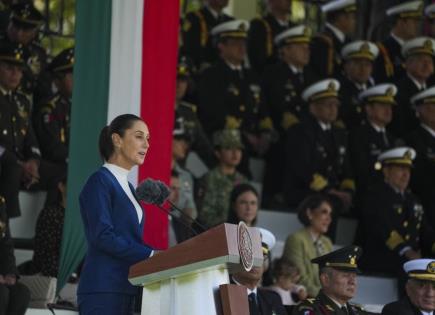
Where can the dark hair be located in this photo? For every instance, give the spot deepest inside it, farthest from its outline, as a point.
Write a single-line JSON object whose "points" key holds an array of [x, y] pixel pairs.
{"points": [[118, 125], [235, 193], [283, 267], [311, 202]]}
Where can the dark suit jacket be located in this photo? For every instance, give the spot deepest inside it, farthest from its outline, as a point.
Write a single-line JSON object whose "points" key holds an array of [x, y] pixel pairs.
{"points": [[390, 52], [423, 179], [261, 47], [401, 307], [351, 111], [365, 144], [325, 57], [197, 42], [404, 117], [311, 150], [113, 234]]}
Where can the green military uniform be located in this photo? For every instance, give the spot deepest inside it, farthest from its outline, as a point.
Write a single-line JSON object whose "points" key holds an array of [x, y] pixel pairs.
{"points": [[198, 140], [215, 187], [36, 82], [52, 117]]}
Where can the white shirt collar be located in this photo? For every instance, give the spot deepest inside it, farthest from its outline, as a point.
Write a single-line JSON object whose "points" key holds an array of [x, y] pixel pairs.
{"points": [[247, 289], [418, 84], [397, 39], [294, 69], [213, 12], [281, 22], [340, 35], [324, 126], [426, 313], [376, 127], [429, 129], [233, 66], [117, 170]]}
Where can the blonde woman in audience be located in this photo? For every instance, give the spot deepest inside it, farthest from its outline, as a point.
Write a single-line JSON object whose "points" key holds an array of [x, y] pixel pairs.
{"points": [[315, 213]]}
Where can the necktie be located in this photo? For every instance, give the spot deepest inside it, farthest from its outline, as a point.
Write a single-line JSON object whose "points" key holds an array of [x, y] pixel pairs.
{"points": [[344, 310], [385, 138], [253, 304]]}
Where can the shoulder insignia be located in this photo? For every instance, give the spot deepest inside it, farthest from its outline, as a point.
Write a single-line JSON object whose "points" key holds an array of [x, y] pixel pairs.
{"points": [[202, 27], [330, 43], [269, 37], [191, 106], [47, 109]]}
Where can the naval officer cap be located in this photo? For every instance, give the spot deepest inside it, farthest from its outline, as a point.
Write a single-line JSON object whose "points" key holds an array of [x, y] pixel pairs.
{"points": [[408, 9], [382, 93], [420, 269], [397, 156], [360, 49], [268, 240], [339, 5], [424, 97], [231, 29], [420, 45], [319, 90], [294, 35]]}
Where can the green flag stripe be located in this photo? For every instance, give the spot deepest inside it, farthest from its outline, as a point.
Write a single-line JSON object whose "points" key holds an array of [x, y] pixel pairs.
{"points": [[89, 115]]}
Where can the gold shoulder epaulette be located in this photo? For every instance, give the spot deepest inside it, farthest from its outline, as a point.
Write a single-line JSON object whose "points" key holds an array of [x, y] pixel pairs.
{"points": [[191, 106]]}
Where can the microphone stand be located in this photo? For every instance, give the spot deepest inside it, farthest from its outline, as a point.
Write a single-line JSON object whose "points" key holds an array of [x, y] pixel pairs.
{"points": [[177, 219], [203, 227]]}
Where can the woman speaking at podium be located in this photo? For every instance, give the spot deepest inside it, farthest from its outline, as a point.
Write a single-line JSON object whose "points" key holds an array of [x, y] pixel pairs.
{"points": [[113, 221]]}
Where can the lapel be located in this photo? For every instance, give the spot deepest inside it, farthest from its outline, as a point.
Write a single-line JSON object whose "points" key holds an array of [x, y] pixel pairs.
{"points": [[311, 250]]}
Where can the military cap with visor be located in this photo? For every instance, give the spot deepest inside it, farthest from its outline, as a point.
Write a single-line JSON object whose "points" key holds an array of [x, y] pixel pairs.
{"points": [[343, 259]]}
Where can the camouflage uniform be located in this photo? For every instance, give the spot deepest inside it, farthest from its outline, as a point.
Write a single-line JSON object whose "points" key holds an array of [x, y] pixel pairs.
{"points": [[214, 195], [215, 187]]}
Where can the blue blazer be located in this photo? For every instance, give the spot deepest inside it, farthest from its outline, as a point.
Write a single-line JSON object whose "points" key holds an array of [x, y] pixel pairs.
{"points": [[113, 234]]}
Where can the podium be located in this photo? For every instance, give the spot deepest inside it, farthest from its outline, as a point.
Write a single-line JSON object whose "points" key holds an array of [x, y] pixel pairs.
{"points": [[193, 276]]}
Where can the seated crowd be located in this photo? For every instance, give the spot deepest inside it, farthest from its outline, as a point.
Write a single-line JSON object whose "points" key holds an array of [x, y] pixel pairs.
{"points": [[344, 127]]}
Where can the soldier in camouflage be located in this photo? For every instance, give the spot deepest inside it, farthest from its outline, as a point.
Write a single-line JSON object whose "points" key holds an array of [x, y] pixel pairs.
{"points": [[215, 186]]}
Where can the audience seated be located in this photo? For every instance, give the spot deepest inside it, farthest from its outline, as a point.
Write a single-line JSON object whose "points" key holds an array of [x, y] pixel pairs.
{"points": [[243, 205], [14, 296], [286, 277], [310, 242], [215, 186]]}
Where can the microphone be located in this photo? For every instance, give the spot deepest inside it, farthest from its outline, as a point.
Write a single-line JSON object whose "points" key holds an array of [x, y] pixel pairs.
{"points": [[166, 190], [156, 192]]}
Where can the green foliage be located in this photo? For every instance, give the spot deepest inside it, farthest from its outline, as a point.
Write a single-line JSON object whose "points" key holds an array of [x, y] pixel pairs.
{"points": [[58, 32]]}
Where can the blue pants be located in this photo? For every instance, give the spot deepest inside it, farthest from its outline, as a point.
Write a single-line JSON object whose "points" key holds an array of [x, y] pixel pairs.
{"points": [[105, 304]]}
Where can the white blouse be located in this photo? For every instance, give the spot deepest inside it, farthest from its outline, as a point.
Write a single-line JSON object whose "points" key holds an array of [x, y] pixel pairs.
{"points": [[121, 176]]}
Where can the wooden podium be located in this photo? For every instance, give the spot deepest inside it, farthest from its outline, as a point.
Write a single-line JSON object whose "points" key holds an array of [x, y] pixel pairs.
{"points": [[193, 277]]}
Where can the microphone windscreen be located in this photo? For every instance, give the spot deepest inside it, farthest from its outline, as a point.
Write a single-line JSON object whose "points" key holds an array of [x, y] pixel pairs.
{"points": [[148, 191], [164, 192]]}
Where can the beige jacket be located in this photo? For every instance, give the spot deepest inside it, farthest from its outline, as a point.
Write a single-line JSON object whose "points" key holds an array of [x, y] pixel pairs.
{"points": [[300, 249]]}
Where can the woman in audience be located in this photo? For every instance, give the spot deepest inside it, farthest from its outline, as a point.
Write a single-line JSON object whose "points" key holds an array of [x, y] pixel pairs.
{"points": [[315, 214], [243, 205]]}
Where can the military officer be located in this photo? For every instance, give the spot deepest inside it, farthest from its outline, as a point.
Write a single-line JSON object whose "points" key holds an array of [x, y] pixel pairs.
{"points": [[23, 28], [52, 117], [230, 95], [422, 139], [356, 77], [326, 45], [371, 138], [317, 150], [197, 43], [283, 83], [338, 271], [418, 54], [406, 18], [213, 196], [19, 148], [187, 113], [263, 31], [420, 290], [393, 222]]}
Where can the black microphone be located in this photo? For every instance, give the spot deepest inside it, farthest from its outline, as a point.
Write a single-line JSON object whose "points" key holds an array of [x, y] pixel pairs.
{"points": [[166, 190], [155, 193]]}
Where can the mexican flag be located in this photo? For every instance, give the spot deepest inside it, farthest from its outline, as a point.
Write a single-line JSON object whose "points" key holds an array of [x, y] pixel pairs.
{"points": [[125, 62]]}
